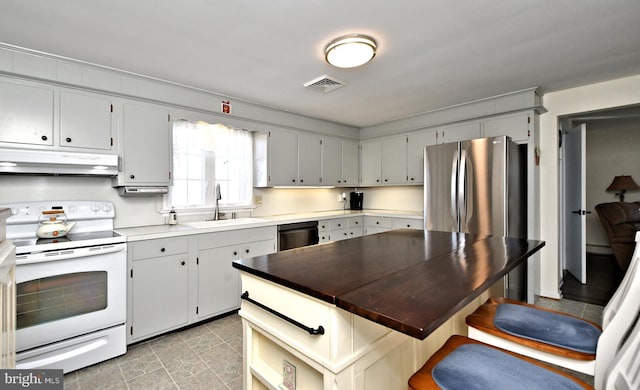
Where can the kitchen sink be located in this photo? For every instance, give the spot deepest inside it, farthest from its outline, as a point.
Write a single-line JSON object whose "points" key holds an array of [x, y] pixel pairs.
{"points": [[224, 222]]}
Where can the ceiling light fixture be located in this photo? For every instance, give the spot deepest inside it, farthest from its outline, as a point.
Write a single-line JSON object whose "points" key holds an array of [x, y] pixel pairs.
{"points": [[349, 51]]}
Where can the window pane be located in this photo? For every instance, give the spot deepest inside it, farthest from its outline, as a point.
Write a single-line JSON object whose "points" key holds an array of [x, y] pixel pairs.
{"points": [[207, 154]]}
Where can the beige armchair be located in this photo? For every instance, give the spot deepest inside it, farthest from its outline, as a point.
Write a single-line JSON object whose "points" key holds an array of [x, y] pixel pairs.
{"points": [[620, 220]]}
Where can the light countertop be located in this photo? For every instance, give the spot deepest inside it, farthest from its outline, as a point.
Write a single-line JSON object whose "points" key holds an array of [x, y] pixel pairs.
{"points": [[164, 231]]}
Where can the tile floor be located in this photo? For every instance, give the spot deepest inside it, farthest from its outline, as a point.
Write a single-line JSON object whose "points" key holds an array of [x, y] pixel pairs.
{"points": [[209, 356]]}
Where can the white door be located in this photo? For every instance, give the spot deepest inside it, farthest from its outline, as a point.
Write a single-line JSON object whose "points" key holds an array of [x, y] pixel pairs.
{"points": [[575, 210]]}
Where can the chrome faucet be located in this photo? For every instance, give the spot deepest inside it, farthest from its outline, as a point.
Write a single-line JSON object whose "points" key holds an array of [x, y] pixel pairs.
{"points": [[216, 210]]}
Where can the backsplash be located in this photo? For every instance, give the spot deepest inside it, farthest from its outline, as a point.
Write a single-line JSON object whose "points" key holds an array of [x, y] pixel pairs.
{"points": [[133, 211]]}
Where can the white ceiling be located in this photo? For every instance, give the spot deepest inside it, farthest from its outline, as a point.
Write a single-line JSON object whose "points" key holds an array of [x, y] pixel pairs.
{"points": [[432, 53]]}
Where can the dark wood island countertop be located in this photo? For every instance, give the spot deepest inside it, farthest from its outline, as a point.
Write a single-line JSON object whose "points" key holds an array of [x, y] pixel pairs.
{"points": [[411, 281]]}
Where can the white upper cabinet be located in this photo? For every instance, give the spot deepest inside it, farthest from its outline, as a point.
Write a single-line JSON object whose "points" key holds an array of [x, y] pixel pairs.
{"points": [[350, 158], [309, 160], [370, 162], [517, 126], [415, 154], [460, 132], [147, 147], [26, 114], [283, 157], [394, 160], [384, 161], [339, 162], [85, 121], [332, 161]]}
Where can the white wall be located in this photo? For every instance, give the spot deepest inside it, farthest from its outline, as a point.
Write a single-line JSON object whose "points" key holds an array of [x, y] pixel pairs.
{"points": [[278, 201], [610, 94], [612, 150]]}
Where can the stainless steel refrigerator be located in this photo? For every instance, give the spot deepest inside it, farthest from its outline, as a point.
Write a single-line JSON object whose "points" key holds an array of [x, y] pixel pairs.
{"points": [[478, 186]]}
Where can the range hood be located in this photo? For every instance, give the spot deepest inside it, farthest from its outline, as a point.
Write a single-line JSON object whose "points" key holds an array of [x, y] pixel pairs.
{"points": [[56, 162]]}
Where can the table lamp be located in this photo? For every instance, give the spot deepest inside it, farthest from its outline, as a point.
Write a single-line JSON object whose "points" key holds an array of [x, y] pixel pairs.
{"points": [[623, 184]]}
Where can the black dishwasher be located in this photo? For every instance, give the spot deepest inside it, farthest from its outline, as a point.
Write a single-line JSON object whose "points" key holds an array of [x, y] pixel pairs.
{"points": [[295, 235]]}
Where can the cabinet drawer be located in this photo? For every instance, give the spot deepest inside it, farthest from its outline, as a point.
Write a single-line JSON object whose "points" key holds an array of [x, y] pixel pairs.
{"points": [[408, 223], [236, 237], [258, 248], [356, 222], [323, 226], [158, 248], [339, 234], [381, 222], [338, 223]]}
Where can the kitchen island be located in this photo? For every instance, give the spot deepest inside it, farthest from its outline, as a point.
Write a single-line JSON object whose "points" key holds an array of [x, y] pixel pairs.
{"points": [[365, 313]]}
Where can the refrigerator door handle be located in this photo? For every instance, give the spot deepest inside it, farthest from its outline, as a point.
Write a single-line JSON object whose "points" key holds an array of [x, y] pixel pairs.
{"points": [[454, 189], [462, 191]]}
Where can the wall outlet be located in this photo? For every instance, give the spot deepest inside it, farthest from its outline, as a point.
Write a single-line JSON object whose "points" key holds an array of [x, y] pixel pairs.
{"points": [[288, 376], [342, 197]]}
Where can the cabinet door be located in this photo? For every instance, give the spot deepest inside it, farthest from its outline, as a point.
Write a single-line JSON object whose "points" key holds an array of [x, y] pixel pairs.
{"points": [[147, 145], [515, 126], [309, 160], [331, 161], [460, 132], [283, 157], [26, 114], [370, 162], [394, 160], [159, 295], [218, 281], [415, 154], [85, 121], [350, 160]]}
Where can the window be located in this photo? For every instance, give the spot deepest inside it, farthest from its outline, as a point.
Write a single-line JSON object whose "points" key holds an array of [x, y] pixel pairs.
{"points": [[205, 155]]}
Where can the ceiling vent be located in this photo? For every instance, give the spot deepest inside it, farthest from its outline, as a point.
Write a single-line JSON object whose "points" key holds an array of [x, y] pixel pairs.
{"points": [[324, 84]]}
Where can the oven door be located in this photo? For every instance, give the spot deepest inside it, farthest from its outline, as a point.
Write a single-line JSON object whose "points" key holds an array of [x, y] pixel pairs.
{"points": [[69, 293]]}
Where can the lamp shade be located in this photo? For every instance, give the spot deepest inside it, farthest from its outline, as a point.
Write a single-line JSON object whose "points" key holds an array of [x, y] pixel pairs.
{"points": [[623, 183]]}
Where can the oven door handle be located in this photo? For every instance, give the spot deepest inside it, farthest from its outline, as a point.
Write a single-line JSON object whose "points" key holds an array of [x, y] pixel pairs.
{"points": [[66, 254]]}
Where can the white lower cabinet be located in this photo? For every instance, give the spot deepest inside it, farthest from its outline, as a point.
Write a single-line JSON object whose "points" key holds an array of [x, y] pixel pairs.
{"points": [[158, 287], [177, 281], [218, 289], [375, 224], [340, 228]]}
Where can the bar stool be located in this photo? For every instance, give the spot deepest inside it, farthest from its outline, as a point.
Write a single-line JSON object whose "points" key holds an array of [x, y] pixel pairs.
{"points": [[467, 364], [560, 338]]}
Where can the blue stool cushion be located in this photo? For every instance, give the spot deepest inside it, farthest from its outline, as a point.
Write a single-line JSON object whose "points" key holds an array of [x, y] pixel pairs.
{"points": [[475, 366], [546, 327]]}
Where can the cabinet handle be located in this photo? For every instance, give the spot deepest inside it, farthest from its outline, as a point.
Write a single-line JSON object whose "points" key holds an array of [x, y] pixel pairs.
{"points": [[161, 249], [246, 250], [339, 224], [377, 223], [44, 138], [318, 331], [412, 179], [339, 182], [377, 180], [132, 176], [357, 222], [293, 180], [183, 262], [68, 139], [408, 225], [301, 181], [345, 234], [344, 181], [386, 180], [235, 253]]}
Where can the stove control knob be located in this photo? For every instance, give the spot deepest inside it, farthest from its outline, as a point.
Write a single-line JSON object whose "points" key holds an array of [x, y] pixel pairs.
{"points": [[95, 207], [106, 207]]}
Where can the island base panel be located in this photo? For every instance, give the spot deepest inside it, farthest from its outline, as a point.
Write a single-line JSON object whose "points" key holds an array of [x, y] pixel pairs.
{"points": [[353, 353]]}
